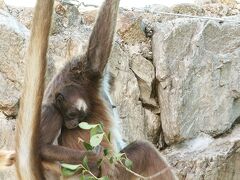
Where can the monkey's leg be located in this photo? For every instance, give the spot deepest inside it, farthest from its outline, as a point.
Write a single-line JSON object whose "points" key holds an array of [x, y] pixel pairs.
{"points": [[147, 161]]}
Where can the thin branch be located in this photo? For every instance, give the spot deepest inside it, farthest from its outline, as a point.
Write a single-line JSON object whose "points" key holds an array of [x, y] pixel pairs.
{"points": [[143, 177]]}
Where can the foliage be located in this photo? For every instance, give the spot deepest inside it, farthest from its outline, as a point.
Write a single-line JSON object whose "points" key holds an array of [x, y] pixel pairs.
{"points": [[97, 135]]}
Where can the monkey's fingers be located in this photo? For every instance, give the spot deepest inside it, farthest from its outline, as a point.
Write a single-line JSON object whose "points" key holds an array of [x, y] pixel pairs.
{"points": [[54, 167], [7, 158], [98, 150]]}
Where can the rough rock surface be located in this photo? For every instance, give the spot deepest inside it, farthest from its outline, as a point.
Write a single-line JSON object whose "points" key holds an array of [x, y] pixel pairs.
{"points": [[197, 66], [206, 158], [186, 8], [12, 45], [145, 73], [181, 88], [126, 96]]}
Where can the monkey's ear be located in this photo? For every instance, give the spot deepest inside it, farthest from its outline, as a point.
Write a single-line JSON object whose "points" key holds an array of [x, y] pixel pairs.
{"points": [[59, 99], [100, 43]]}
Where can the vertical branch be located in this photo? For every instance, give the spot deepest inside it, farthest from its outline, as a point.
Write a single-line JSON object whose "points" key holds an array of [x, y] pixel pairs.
{"points": [[27, 136]]}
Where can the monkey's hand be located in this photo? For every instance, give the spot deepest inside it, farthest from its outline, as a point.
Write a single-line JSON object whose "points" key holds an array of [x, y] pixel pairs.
{"points": [[93, 157], [7, 158], [98, 150], [54, 167]]}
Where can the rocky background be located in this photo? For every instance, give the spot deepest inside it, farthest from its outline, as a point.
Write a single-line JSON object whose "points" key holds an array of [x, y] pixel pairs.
{"points": [[177, 79]]}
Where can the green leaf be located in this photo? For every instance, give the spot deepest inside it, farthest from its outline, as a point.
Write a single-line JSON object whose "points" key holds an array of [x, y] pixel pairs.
{"points": [[101, 125], [85, 163], [85, 125], [87, 146], [96, 139], [109, 136], [70, 166], [96, 130], [67, 172], [106, 152], [128, 163], [69, 169], [111, 160]]}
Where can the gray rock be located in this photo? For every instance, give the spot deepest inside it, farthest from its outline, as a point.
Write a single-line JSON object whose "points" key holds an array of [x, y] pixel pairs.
{"points": [[145, 73], [153, 127], [12, 46], [22, 14], [7, 142], [197, 65], [126, 96], [188, 8], [156, 8], [206, 158]]}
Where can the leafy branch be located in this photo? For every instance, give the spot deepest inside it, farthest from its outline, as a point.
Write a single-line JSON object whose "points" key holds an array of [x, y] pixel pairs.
{"points": [[97, 135]]}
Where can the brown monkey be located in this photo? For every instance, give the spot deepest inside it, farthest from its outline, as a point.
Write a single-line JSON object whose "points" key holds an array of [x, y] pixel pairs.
{"points": [[75, 108], [77, 94]]}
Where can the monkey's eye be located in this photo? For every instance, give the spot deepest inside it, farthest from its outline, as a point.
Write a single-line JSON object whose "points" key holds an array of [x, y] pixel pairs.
{"points": [[72, 114]]}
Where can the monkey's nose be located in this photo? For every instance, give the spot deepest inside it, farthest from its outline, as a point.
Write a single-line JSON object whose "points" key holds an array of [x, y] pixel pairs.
{"points": [[82, 117]]}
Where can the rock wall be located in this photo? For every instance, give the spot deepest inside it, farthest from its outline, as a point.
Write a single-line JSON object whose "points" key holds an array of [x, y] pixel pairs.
{"points": [[177, 80], [197, 66]]}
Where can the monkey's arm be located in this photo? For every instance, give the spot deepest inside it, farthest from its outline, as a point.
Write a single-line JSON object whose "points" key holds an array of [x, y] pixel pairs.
{"points": [[51, 124]]}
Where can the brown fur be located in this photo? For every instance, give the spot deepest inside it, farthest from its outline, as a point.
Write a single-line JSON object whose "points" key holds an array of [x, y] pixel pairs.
{"points": [[85, 73], [28, 164]]}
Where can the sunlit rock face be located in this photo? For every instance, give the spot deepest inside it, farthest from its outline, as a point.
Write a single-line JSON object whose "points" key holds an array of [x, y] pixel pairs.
{"points": [[197, 66], [176, 80]]}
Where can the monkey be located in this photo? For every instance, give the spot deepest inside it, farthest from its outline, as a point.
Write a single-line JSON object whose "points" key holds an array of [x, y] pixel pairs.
{"points": [[77, 94], [73, 108]]}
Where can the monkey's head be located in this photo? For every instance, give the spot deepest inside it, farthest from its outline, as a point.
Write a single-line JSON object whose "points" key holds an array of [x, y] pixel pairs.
{"points": [[73, 105]]}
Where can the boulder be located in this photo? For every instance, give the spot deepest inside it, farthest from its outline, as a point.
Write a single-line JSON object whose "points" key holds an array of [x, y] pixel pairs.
{"points": [[145, 73], [13, 42], [22, 14], [206, 158], [126, 95], [187, 8], [197, 66], [156, 8]]}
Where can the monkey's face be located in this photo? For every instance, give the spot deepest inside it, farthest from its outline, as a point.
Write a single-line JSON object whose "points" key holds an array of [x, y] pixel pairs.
{"points": [[72, 106]]}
